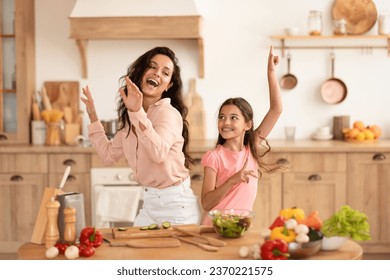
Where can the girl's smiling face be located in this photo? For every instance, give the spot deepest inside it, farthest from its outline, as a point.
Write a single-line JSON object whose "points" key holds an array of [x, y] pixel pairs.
{"points": [[231, 122], [157, 77]]}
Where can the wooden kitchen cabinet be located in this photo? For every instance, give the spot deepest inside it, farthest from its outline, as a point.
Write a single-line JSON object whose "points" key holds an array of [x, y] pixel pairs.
{"points": [[369, 191], [22, 181], [17, 70], [78, 179], [315, 182]]}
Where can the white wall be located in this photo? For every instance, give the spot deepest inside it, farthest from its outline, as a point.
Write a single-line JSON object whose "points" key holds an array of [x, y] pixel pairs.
{"points": [[237, 38]]}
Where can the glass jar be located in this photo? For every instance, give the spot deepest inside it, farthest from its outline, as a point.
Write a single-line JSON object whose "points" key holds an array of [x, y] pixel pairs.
{"points": [[315, 23], [340, 27], [384, 24]]}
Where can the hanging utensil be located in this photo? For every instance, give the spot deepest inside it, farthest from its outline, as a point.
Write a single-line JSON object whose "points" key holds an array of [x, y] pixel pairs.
{"points": [[288, 81], [333, 90]]}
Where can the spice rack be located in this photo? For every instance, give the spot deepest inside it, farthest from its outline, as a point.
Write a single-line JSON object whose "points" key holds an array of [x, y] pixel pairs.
{"points": [[328, 42]]}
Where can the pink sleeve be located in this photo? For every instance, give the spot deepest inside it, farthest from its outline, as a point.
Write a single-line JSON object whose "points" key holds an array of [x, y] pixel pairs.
{"points": [[210, 159]]}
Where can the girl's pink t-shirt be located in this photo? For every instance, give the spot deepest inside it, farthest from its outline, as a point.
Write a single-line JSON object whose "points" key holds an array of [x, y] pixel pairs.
{"points": [[226, 163]]}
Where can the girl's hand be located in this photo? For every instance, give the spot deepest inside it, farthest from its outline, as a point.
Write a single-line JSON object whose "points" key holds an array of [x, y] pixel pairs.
{"points": [[272, 60], [89, 104], [134, 98], [243, 175]]}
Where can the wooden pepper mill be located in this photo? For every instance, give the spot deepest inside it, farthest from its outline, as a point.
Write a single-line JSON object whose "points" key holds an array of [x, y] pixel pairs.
{"points": [[52, 234], [70, 225]]}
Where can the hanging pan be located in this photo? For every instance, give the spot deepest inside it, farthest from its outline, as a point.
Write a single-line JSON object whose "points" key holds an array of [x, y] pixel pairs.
{"points": [[333, 90], [288, 81]]}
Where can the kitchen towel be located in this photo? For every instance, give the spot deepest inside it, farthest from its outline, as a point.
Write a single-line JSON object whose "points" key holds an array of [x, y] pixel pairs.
{"points": [[116, 204]]}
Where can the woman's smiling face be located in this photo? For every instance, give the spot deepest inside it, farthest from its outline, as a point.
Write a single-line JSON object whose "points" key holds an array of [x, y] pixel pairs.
{"points": [[157, 77]]}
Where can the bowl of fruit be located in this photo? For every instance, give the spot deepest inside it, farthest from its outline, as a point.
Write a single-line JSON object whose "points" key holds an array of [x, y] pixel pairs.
{"points": [[362, 133], [231, 223]]}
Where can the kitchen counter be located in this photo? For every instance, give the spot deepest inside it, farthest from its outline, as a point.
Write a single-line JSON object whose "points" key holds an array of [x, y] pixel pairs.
{"points": [[203, 146], [30, 251]]}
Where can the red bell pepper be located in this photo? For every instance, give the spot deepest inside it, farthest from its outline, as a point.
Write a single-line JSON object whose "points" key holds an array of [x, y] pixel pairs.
{"points": [[279, 222], [276, 249], [91, 236]]}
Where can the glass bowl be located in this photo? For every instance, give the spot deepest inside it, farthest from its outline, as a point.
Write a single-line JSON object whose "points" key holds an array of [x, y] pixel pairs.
{"points": [[231, 223], [304, 250]]}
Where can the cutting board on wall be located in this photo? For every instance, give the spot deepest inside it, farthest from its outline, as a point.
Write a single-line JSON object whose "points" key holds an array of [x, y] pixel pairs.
{"points": [[196, 114], [64, 93]]}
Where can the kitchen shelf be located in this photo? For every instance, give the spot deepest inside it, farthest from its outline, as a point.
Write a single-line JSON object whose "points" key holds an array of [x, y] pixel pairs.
{"points": [[83, 29], [329, 42]]}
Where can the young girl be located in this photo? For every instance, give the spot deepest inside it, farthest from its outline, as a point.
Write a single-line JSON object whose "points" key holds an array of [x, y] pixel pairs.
{"points": [[231, 169], [153, 137]]}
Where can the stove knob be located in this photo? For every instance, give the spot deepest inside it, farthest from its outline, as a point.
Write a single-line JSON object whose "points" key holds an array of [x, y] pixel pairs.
{"points": [[119, 177]]}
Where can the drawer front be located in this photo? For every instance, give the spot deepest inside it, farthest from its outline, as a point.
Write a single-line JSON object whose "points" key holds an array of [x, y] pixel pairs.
{"points": [[374, 158], [23, 163], [78, 163], [313, 162]]}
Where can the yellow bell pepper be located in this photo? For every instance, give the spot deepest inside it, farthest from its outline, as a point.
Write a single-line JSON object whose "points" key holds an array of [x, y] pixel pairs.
{"points": [[293, 213], [283, 233]]}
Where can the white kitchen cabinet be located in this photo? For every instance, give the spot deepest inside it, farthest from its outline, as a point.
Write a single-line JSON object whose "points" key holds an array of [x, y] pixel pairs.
{"points": [[369, 192]]}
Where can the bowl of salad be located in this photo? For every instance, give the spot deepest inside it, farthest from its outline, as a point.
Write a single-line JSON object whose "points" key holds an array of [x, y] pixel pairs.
{"points": [[231, 223]]}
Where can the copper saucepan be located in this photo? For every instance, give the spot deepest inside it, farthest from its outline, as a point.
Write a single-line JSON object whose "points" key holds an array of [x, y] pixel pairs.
{"points": [[333, 90], [288, 81]]}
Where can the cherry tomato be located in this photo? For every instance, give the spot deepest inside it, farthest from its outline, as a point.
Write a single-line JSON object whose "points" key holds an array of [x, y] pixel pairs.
{"points": [[61, 247], [86, 250]]}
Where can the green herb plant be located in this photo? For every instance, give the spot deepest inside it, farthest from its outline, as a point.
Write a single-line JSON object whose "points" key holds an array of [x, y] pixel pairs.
{"points": [[347, 222]]}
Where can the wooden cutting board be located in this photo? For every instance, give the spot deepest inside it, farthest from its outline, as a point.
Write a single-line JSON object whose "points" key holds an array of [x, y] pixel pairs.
{"points": [[196, 114], [360, 15], [136, 232], [64, 94]]}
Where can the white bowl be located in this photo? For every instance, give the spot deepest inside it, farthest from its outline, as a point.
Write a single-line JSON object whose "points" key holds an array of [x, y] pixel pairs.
{"points": [[332, 243], [291, 31]]}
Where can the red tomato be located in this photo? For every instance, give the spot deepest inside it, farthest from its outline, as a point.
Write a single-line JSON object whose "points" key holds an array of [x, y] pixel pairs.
{"points": [[61, 247], [86, 250]]}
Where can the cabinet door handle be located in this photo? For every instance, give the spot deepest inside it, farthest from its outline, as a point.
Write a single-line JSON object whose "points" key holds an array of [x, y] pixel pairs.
{"points": [[69, 162], [314, 177], [196, 177], [282, 161], [379, 156], [3, 137], [16, 178]]}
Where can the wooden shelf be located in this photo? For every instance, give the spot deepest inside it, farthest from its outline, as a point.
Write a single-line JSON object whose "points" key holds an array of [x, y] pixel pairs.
{"points": [[330, 39], [83, 29]]}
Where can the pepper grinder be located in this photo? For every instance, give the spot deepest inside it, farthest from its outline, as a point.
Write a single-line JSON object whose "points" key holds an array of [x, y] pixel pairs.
{"points": [[70, 225], [52, 234]]}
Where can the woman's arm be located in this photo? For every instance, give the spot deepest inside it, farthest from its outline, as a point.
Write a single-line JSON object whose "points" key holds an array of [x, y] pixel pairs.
{"points": [[275, 98]]}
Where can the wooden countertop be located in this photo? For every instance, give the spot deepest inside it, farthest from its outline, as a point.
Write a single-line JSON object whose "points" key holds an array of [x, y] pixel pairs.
{"points": [[29, 251], [382, 145]]}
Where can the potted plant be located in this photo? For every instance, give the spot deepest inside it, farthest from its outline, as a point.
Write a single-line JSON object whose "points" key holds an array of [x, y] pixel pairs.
{"points": [[344, 224]]}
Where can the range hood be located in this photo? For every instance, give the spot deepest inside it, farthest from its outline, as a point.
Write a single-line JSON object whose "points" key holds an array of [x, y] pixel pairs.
{"points": [[135, 19]]}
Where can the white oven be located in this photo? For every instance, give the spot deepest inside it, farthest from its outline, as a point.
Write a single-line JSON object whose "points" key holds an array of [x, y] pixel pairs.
{"points": [[115, 197]]}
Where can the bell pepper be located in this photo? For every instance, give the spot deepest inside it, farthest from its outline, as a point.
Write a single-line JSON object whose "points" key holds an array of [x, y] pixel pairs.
{"points": [[292, 213], [276, 249], [91, 236], [283, 233], [279, 222]]}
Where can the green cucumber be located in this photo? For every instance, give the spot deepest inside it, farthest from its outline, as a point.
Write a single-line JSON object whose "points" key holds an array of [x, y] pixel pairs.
{"points": [[166, 224]]}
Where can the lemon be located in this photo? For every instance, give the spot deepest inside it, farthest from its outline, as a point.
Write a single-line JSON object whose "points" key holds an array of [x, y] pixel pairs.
{"points": [[360, 136]]}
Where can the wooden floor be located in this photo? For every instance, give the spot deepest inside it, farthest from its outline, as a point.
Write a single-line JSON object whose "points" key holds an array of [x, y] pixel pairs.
{"points": [[13, 256]]}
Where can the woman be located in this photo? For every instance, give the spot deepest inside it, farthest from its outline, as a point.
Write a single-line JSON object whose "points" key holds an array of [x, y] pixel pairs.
{"points": [[153, 136]]}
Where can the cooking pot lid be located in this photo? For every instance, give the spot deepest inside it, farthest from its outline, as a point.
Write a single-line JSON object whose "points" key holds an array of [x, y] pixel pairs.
{"points": [[333, 91]]}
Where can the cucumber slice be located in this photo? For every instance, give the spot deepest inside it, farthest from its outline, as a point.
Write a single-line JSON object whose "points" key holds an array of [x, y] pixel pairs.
{"points": [[122, 229], [144, 228], [153, 227], [166, 224]]}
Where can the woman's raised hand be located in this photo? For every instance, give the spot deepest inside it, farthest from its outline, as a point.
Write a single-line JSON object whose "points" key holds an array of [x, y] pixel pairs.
{"points": [[134, 98], [272, 60], [89, 104]]}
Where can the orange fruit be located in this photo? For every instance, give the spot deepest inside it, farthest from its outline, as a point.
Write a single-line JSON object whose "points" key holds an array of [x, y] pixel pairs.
{"points": [[376, 130], [359, 125], [352, 133]]}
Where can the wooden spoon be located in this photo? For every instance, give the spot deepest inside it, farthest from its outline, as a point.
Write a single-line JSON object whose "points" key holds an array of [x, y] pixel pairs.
{"points": [[210, 240], [147, 243], [199, 244]]}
